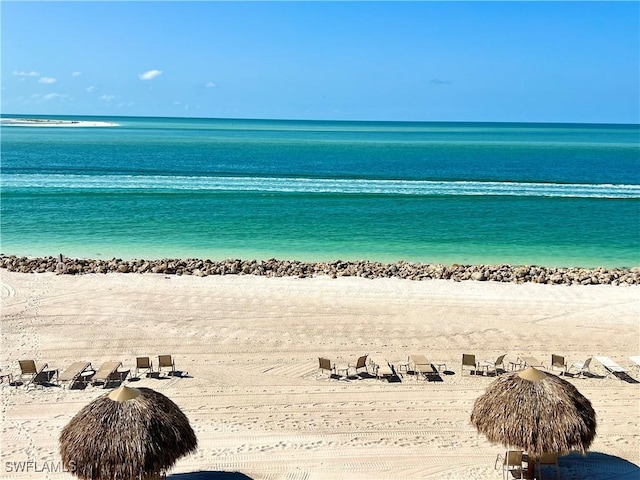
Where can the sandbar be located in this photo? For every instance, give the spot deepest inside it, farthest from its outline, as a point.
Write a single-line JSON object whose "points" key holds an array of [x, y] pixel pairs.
{"points": [[43, 122]]}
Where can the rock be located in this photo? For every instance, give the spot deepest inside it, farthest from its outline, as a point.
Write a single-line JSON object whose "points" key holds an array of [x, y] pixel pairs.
{"points": [[334, 269]]}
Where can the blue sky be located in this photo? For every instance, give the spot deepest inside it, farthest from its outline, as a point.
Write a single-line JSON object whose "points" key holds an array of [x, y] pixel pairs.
{"points": [[416, 61]]}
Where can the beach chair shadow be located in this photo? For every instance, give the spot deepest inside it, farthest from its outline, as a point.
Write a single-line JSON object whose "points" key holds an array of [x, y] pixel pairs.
{"points": [[597, 465], [48, 378], [209, 475], [435, 376], [625, 377], [547, 461]]}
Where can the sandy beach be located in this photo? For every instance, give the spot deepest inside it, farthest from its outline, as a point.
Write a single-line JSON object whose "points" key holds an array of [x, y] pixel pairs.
{"points": [[248, 349]]}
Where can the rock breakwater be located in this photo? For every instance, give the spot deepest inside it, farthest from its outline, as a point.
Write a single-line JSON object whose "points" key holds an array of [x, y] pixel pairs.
{"points": [[337, 268]]}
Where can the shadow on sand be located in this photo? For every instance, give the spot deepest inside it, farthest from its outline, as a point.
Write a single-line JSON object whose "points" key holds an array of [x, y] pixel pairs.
{"points": [[209, 475], [596, 466]]}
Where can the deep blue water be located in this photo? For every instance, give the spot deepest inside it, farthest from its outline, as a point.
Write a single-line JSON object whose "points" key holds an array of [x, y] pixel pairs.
{"points": [[550, 194]]}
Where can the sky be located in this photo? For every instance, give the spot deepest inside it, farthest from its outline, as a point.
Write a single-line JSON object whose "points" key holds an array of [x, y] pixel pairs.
{"points": [[384, 61]]}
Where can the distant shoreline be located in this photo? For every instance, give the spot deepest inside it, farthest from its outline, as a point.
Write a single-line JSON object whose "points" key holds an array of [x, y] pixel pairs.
{"points": [[45, 122]]}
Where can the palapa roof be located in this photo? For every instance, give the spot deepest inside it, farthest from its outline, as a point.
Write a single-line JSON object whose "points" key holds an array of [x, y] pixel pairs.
{"points": [[537, 412], [125, 435]]}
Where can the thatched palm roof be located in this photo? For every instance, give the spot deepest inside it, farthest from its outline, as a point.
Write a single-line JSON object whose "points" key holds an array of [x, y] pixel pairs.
{"points": [[537, 412], [126, 435]]}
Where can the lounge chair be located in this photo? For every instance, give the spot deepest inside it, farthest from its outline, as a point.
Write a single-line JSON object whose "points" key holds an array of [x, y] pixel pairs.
{"points": [[381, 368], [325, 365], [493, 365], [557, 361], [469, 360], [511, 463], [420, 365], [636, 361], [548, 459], [143, 363], [581, 367], [28, 368], [166, 361], [74, 372], [531, 362], [610, 366], [105, 372], [360, 364]]}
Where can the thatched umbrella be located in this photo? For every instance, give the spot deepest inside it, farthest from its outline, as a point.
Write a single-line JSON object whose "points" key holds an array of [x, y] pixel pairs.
{"points": [[128, 434], [537, 412]]}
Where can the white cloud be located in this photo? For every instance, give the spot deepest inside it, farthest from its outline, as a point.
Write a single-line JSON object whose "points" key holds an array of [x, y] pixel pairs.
{"points": [[108, 98], [91, 89], [51, 96], [47, 80], [210, 85], [151, 74], [26, 74], [76, 74]]}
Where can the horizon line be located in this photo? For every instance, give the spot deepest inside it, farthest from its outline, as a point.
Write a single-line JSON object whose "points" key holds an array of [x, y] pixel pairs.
{"points": [[521, 122]]}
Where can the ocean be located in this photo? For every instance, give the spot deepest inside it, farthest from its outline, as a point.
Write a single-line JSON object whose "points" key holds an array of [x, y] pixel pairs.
{"points": [[466, 193]]}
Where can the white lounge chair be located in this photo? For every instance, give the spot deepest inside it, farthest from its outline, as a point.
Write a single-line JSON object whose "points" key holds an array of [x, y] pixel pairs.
{"points": [[610, 366], [491, 365], [421, 366], [527, 362], [381, 368], [581, 367]]}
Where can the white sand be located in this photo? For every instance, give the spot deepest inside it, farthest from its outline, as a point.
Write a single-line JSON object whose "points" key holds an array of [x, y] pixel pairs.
{"points": [[254, 394], [40, 122]]}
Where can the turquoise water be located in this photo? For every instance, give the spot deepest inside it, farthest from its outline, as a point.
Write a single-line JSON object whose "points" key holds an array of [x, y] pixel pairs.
{"points": [[546, 194]]}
